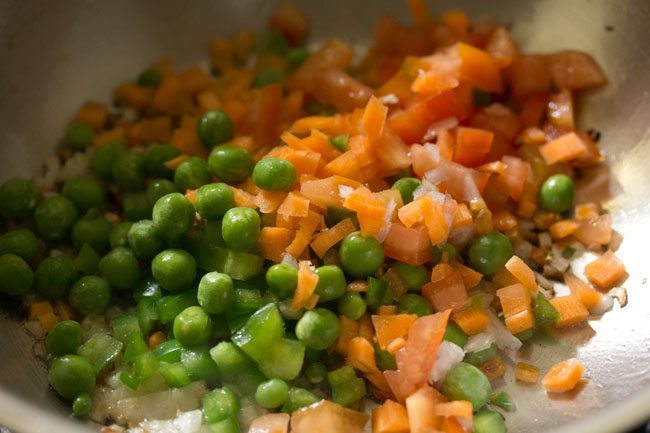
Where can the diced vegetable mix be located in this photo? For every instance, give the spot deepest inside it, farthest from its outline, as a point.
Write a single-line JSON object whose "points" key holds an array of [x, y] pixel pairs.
{"points": [[309, 230]]}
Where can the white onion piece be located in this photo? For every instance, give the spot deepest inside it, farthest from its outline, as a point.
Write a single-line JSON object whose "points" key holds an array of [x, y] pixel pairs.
{"points": [[448, 355], [345, 191], [502, 337], [389, 99], [388, 217], [249, 412], [432, 132], [479, 342], [603, 306], [290, 260], [424, 188]]}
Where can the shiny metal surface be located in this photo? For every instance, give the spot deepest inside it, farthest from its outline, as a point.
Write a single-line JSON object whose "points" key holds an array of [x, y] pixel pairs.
{"points": [[55, 55]]}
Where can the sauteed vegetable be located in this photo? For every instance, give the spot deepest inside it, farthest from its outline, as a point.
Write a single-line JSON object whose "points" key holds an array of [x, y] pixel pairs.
{"points": [[294, 239]]}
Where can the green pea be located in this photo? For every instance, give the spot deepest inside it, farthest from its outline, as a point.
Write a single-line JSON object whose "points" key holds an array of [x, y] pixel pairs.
{"points": [[17, 277], [55, 216], [220, 404], [413, 276], [104, 158], [214, 127], [318, 328], [230, 164], [274, 174], [18, 199], [361, 256], [331, 283], [157, 156], [272, 393], [352, 305], [466, 382], [90, 295], [21, 242], [271, 42], [213, 200], [490, 252], [228, 425], [144, 240], [54, 276], [240, 228], [192, 326], [557, 193], [85, 192], [64, 338], [216, 293], [81, 405], [267, 76], [316, 372], [159, 188], [150, 77], [282, 280], [92, 229], [478, 358], [340, 142], [406, 186], [489, 421], [411, 303], [191, 173], [118, 236], [174, 270], [120, 268], [71, 375], [455, 335], [297, 57], [173, 215], [136, 206], [79, 136], [128, 171], [87, 261]]}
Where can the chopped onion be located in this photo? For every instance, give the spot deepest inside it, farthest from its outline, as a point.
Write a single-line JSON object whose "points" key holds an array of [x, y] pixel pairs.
{"points": [[185, 422], [448, 355], [479, 342], [388, 217], [345, 191], [389, 99], [76, 165], [34, 327], [425, 188], [523, 249], [502, 337], [603, 306], [620, 293], [290, 260], [432, 133], [249, 411], [51, 174], [545, 240]]}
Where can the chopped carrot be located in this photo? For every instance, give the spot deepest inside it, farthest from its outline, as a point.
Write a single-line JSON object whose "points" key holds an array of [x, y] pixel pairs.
{"points": [[221, 53], [563, 228], [479, 68], [526, 373], [522, 273], [366, 327], [595, 231], [63, 309], [605, 270], [370, 210], [326, 239], [156, 339], [451, 425], [269, 201], [411, 213], [395, 345], [503, 220], [208, 100], [565, 148], [361, 355], [388, 328], [421, 407], [287, 222], [349, 330], [516, 304], [493, 368], [390, 417], [94, 114], [471, 278], [457, 22], [587, 211], [357, 286], [435, 221], [502, 277], [584, 292], [307, 280], [190, 194], [462, 217], [521, 321], [374, 118], [187, 142], [494, 167], [471, 320], [472, 146], [306, 228], [571, 310], [387, 310], [195, 80], [294, 205], [273, 241], [459, 408], [39, 308], [243, 198], [446, 293], [563, 376]]}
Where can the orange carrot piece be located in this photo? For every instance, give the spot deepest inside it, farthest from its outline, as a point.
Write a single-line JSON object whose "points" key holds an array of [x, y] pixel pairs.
{"points": [[565, 148], [503, 220], [39, 308], [434, 220], [326, 239], [522, 273], [306, 228], [307, 280], [364, 202], [494, 167], [521, 321], [208, 100], [563, 376], [357, 286], [585, 293], [273, 241], [451, 425], [294, 205], [462, 217], [571, 310], [493, 368], [287, 222], [243, 198], [190, 194], [390, 417], [448, 293], [526, 373], [361, 355], [503, 277], [515, 301], [187, 142], [563, 228], [269, 201], [471, 320], [389, 328], [93, 114], [175, 162], [195, 80], [395, 345], [479, 68], [471, 278], [156, 339], [63, 309], [605, 270], [365, 328], [595, 231], [472, 145], [459, 408], [411, 213], [374, 118], [421, 407], [587, 211], [387, 310], [349, 330]]}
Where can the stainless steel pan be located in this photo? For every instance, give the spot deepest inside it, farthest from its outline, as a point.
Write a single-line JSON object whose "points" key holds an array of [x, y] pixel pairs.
{"points": [[55, 55]]}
